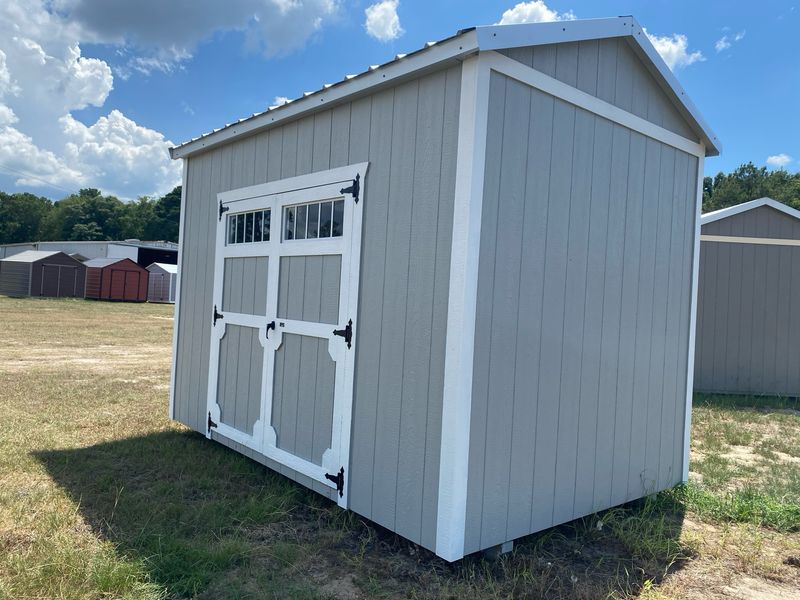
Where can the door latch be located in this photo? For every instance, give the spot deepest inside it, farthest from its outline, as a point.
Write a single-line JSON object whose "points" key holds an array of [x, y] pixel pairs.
{"points": [[346, 333], [217, 315], [270, 325], [338, 479]]}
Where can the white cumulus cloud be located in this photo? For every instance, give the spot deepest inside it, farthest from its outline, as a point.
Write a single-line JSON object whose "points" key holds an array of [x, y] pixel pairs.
{"points": [[726, 41], [382, 21], [674, 49], [44, 78], [779, 161], [533, 12], [280, 101]]}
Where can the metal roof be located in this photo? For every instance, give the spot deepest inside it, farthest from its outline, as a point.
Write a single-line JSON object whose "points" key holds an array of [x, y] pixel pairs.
{"points": [[464, 43], [103, 262], [135, 243], [724, 213], [165, 266], [30, 256]]}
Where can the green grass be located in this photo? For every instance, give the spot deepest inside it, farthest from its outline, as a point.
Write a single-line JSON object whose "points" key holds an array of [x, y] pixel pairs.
{"points": [[101, 496]]}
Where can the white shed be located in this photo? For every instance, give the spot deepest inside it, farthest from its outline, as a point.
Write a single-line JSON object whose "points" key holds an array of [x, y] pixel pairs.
{"points": [[162, 284], [453, 293]]}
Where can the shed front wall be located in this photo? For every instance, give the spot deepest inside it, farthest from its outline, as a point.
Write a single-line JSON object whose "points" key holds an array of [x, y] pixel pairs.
{"points": [[408, 134], [15, 278], [45, 281], [582, 319], [748, 334]]}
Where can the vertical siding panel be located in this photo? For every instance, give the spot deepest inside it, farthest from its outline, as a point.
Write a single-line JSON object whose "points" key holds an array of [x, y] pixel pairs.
{"points": [[480, 380], [629, 303], [639, 478], [340, 136], [419, 306], [663, 238], [609, 360], [523, 55], [502, 339], [441, 290], [289, 150], [526, 368], [623, 88], [757, 342], [588, 56], [321, 150], [544, 59], [256, 369], [275, 155], [574, 304], [552, 340], [373, 252], [305, 145], [329, 289], [395, 297], [782, 314], [323, 402], [746, 319], [607, 69], [262, 158], [567, 63], [591, 424], [306, 396]]}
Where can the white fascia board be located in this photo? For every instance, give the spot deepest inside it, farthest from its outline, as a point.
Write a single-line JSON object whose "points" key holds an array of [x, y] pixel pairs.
{"points": [[724, 213], [452, 49], [497, 37]]}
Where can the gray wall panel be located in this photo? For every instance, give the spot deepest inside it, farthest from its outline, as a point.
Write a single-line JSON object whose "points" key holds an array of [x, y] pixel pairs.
{"points": [[244, 285], [309, 288], [746, 325], [15, 278], [241, 357], [610, 70], [582, 313], [409, 136]]}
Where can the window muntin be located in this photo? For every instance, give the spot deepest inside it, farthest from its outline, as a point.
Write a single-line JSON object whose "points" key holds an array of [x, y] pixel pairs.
{"points": [[314, 220], [249, 227]]}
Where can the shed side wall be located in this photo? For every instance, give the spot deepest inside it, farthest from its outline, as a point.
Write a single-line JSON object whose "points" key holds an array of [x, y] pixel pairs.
{"points": [[409, 135], [748, 335], [582, 326], [15, 278], [610, 70]]}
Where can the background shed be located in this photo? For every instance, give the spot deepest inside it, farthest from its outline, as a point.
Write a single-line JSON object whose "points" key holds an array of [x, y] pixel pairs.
{"points": [[162, 282], [523, 203], [748, 325], [40, 273], [116, 279]]}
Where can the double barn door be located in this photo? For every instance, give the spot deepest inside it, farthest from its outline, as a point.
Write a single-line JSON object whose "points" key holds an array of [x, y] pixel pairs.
{"points": [[282, 339]]}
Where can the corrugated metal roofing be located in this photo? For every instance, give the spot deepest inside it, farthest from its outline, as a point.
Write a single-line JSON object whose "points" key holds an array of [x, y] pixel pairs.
{"points": [[30, 256], [166, 267], [102, 262]]}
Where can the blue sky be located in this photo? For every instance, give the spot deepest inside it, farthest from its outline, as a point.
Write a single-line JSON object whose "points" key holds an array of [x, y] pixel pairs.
{"points": [[145, 78]]}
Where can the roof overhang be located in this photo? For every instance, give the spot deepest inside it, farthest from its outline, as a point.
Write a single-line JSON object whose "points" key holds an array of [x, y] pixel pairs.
{"points": [[730, 211], [466, 42]]}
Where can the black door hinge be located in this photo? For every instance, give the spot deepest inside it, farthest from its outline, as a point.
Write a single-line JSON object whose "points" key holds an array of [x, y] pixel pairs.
{"points": [[354, 189], [270, 325], [338, 479], [210, 423], [222, 209], [346, 333], [217, 315]]}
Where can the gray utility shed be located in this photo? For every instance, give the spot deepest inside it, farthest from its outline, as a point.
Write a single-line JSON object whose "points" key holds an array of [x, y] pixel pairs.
{"points": [[162, 284], [748, 329], [41, 273], [453, 293]]}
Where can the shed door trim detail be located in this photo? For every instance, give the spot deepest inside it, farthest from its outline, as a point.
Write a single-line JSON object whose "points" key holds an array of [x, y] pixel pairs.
{"points": [[268, 315]]}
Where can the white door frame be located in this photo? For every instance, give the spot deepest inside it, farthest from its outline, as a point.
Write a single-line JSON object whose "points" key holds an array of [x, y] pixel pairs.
{"points": [[275, 195]]}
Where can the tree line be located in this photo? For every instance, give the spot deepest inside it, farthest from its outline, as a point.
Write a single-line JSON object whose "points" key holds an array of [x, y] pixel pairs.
{"points": [[88, 215]]}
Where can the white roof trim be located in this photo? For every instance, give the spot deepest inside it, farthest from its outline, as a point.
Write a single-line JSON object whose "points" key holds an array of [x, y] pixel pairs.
{"points": [[724, 213], [464, 43]]}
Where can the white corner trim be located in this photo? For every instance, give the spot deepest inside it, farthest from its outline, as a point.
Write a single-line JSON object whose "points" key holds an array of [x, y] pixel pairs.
{"points": [[687, 422], [181, 230], [549, 85], [724, 213], [730, 239], [463, 291]]}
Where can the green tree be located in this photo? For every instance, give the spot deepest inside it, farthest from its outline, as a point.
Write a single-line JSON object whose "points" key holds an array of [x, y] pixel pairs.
{"points": [[22, 216]]}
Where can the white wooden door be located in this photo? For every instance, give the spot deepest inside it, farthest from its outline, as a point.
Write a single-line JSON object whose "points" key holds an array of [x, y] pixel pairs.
{"points": [[284, 321]]}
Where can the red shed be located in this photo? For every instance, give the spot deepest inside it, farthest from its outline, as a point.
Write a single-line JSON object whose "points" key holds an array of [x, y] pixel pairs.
{"points": [[115, 279]]}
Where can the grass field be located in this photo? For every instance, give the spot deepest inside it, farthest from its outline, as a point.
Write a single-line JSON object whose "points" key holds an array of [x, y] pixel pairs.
{"points": [[101, 496]]}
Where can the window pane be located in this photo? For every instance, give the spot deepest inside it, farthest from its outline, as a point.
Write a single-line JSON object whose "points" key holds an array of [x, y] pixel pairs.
{"points": [[257, 226], [231, 229], [267, 214], [300, 223], [289, 235], [239, 229], [248, 228], [325, 220], [313, 221], [338, 218]]}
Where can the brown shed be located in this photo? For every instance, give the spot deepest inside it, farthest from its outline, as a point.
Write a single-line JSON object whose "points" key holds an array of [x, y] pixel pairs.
{"points": [[40, 273], [115, 279]]}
